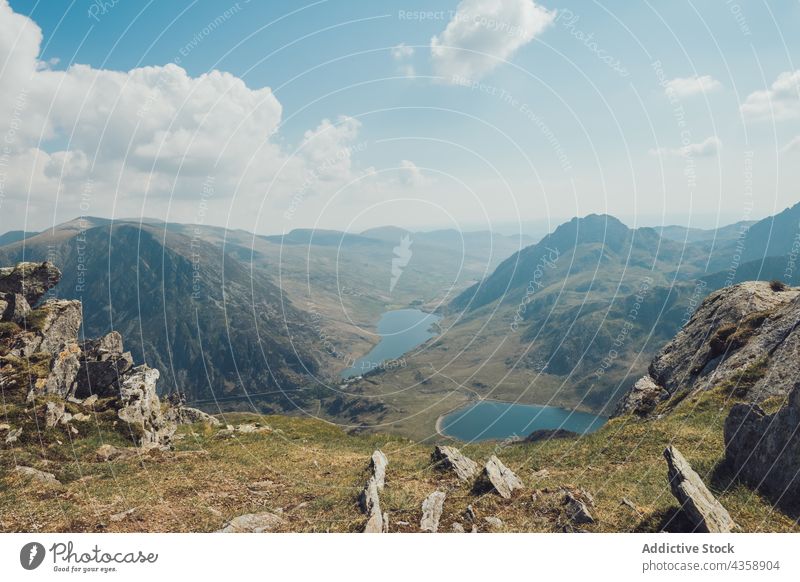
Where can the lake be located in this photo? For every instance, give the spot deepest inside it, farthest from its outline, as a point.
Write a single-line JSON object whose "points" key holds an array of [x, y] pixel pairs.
{"points": [[499, 420], [401, 331]]}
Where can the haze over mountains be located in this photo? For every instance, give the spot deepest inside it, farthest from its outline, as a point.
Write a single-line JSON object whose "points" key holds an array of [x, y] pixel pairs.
{"points": [[237, 320]]}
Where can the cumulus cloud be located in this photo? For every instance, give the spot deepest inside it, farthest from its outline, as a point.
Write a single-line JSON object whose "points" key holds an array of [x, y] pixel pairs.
{"points": [[152, 132], [402, 51], [780, 102], [410, 174], [690, 86], [483, 33], [706, 148]]}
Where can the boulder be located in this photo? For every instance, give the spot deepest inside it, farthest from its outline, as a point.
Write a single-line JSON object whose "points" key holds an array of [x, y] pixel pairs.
{"points": [[576, 506], [432, 512], [140, 407], [642, 398], [13, 307], [102, 365], [252, 523], [53, 413], [37, 475], [31, 280], [447, 458], [56, 326], [457, 528], [764, 449], [698, 504], [497, 478], [63, 371], [377, 465], [13, 436], [188, 415]]}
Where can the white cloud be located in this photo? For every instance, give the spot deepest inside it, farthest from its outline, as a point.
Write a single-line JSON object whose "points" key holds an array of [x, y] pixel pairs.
{"points": [[780, 102], [402, 51], [792, 146], [483, 33], [706, 148], [690, 86], [410, 174]]}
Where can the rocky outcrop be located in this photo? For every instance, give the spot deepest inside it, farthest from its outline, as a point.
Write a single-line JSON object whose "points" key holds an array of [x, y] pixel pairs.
{"points": [[377, 465], [31, 280], [103, 362], [369, 501], [764, 449], [252, 523], [432, 509], [577, 505], [736, 335], [50, 328], [698, 504], [497, 478], [141, 408], [446, 458]]}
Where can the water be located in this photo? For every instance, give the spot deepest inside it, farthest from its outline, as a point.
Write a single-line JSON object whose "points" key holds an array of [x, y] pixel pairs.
{"points": [[401, 331], [499, 420]]}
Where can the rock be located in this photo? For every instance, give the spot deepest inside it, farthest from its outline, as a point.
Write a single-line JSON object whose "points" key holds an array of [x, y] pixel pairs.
{"points": [[53, 413], [764, 449], [378, 464], [252, 523], [457, 528], [81, 417], [91, 401], [4, 426], [370, 504], [31, 280], [432, 512], [188, 415], [13, 436], [63, 371], [37, 475], [698, 504], [122, 515], [13, 307], [576, 506], [450, 459], [642, 398], [493, 522], [469, 514], [110, 452], [141, 409], [102, 366], [630, 505], [498, 478], [55, 328]]}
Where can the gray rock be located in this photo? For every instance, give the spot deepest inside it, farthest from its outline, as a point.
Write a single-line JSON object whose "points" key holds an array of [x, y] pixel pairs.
{"points": [[371, 505], [764, 449], [37, 475], [102, 366], [188, 415], [457, 528], [450, 459], [58, 328], [469, 514], [493, 522], [576, 506], [497, 478], [53, 413], [432, 512], [378, 464], [13, 436], [63, 371], [140, 407], [642, 398], [31, 280], [252, 523], [13, 307], [698, 504]]}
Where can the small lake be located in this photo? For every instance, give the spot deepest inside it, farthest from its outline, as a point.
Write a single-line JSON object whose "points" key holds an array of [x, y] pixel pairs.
{"points": [[488, 419], [401, 331]]}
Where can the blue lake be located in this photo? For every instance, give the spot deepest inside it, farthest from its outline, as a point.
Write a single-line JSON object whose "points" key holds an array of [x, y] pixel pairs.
{"points": [[499, 420], [401, 331]]}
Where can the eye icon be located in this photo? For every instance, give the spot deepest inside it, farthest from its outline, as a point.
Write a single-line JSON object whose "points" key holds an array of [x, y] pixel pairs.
{"points": [[31, 555]]}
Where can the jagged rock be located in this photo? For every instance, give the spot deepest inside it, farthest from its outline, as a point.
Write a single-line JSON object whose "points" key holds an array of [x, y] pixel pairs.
{"points": [[764, 449], [370, 504], [252, 523], [378, 464], [63, 371], [13, 307], [450, 459], [576, 506], [141, 408], [493, 522], [53, 413], [498, 478], [698, 504], [733, 335], [56, 327], [642, 398], [13, 436], [37, 475], [31, 280], [432, 512], [102, 366], [188, 415]]}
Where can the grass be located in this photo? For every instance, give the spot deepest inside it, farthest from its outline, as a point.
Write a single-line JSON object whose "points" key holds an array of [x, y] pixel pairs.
{"points": [[311, 472]]}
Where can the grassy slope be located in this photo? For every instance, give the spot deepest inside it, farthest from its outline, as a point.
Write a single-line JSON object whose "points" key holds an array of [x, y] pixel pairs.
{"points": [[312, 471]]}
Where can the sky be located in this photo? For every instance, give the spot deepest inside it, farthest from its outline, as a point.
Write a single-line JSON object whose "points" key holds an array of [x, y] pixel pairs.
{"points": [[348, 114]]}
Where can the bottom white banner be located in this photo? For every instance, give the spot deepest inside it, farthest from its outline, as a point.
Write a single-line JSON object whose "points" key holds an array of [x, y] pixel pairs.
{"points": [[398, 556]]}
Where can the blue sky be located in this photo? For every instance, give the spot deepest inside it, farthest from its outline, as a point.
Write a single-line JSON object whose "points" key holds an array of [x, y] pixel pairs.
{"points": [[576, 116]]}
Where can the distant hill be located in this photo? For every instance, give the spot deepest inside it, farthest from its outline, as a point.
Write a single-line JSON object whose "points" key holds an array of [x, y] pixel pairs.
{"points": [[14, 236]]}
